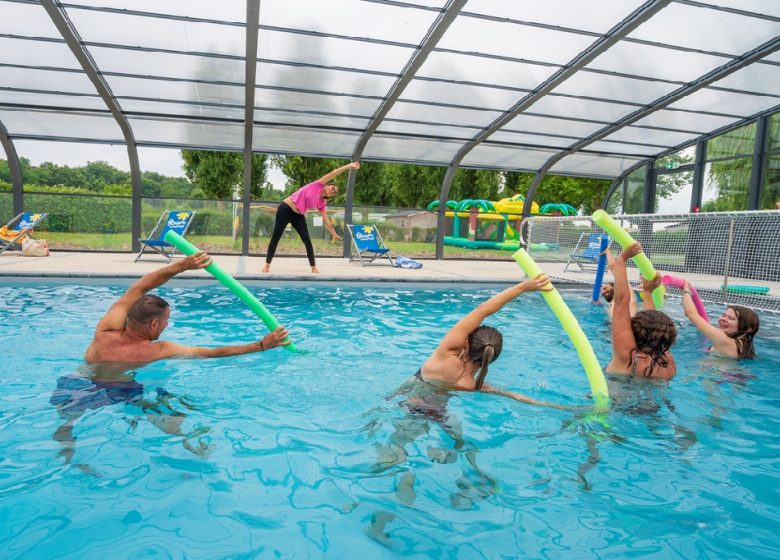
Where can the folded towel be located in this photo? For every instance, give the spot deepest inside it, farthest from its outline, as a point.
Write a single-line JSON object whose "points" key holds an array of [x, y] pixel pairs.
{"points": [[406, 262]]}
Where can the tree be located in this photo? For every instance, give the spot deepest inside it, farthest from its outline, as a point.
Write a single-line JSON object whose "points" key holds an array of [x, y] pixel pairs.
{"points": [[216, 174]]}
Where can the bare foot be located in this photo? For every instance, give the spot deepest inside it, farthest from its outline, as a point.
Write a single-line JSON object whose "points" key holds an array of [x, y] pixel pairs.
{"points": [[315, 270], [266, 268]]}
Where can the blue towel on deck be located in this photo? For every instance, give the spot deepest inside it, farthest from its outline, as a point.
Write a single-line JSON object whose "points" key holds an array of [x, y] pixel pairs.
{"points": [[406, 262]]}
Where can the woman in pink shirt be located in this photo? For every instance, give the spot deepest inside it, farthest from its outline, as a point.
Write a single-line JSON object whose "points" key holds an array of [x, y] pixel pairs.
{"points": [[293, 210]]}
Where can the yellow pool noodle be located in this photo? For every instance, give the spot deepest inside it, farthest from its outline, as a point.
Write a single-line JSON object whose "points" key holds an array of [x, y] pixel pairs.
{"points": [[605, 222], [598, 385]]}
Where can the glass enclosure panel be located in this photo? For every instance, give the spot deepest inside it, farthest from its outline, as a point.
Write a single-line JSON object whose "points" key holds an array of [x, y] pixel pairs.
{"points": [[172, 109], [770, 191], [767, 7], [696, 123], [461, 94], [588, 16], [741, 141], [303, 141], [433, 114], [773, 140], [343, 105], [411, 150], [216, 226], [179, 132], [673, 161], [725, 102], [347, 17], [595, 165], [487, 71], [726, 185], [27, 19], [308, 119], [130, 30], [603, 86], [615, 202], [321, 79], [673, 192], [503, 157], [435, 131], [532, 139], [656, 62], [581, 108], [176, 90], [470, 34], [650, 136], [712, 31], [86, 126], [635, 191]]}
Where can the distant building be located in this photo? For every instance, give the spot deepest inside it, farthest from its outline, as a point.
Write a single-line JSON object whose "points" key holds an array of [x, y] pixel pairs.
{"points": [[413, 219]]}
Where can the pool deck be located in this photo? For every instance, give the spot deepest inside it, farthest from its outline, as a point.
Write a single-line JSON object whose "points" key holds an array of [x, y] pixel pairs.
{"points": [[120, 266]]}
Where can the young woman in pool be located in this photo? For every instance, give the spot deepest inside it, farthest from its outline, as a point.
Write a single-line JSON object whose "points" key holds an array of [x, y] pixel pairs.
{"points": [[736, 328], [292, 210], [640, 344]]}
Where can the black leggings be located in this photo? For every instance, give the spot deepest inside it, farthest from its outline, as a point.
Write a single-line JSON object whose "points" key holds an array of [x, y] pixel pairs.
{"points": [[285, 215]]}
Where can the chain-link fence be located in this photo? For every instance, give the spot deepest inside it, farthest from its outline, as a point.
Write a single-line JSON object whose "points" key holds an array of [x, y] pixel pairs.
{"points": [[731, 257]]}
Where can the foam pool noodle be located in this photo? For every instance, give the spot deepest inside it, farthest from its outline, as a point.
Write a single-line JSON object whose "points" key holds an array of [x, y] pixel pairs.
{"points": [[231, 284]]}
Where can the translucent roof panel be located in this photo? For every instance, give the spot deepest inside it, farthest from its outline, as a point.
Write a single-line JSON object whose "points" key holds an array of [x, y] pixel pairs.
{"points": [[581, 108], [430, 113], [206, 9], [504, 157], [436, 131], [44, 100], [180, 132], [303, 141], [173, 109], [349, 17], [761, 78], [502, 38], [623, 148], [588, 16], [319, 79], [486, 97], [158, 64], [598, 165], [288, 117], [656, 62], [411, 150], [50, 124], [26, 52], [713, 31], [468, 68], [549, 125], [532, 139], [47, 80], [714, 101], [335, 104], [132, 30], [652, 137], [684, 120], [175, 90], [618, 88], [766, 7], [26, 19]]}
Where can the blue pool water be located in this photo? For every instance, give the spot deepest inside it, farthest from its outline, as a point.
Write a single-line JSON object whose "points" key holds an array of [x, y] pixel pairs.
{"points": [[286, 456]]}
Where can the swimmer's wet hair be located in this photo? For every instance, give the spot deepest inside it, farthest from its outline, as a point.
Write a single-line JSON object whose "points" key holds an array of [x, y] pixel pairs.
{"points": [[485, 345], [147, 308]]}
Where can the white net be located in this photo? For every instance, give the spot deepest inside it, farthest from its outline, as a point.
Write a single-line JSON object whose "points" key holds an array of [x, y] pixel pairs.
{"points": [[730, 257]]}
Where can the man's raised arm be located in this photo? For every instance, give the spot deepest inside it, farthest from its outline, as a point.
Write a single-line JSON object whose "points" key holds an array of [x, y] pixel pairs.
{"points": [[116, 316]]}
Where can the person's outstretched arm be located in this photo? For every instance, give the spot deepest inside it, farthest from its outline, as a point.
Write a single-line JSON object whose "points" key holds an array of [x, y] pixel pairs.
{"points": [[623, 341], [520, 398], [328, 177], [456, 338], [719, 339], [116, 316], [648, 286], [272, 340]]}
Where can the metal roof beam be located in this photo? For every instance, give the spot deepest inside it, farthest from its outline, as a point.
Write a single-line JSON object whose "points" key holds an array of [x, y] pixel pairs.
{"points": [[250, 67], [642, 14], [72, 39], [14, 168], [435, 33], [717, 74]]}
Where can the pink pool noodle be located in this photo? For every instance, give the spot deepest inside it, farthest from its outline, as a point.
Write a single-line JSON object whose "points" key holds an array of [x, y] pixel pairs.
{"points": [[676, 282]]}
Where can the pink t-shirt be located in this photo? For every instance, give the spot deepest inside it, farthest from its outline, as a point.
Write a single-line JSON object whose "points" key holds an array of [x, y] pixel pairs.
{"points": [[308, 197]]}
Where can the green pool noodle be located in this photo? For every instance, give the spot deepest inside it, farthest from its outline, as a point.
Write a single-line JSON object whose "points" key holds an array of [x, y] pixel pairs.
{"points": [[605, 222], [598, 385], [230, 283]]}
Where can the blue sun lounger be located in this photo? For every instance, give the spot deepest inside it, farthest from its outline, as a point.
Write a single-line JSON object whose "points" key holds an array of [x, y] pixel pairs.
{"points": [[367, 244], [175, 221], [17, 228], [585, 255]]}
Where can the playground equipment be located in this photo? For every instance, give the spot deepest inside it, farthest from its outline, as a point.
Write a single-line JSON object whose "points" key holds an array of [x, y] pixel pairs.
{"points": [[484, 224]]}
